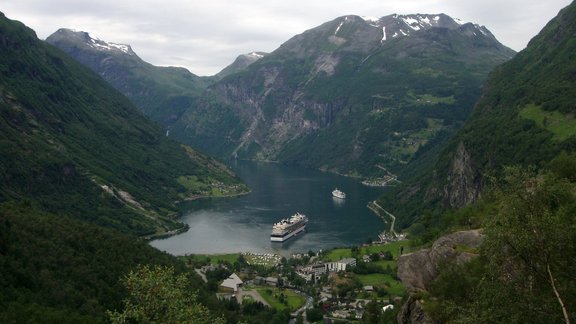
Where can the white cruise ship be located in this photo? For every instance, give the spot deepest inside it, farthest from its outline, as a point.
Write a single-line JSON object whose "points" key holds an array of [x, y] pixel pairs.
{"points": [[338, 194], [288, 227]]}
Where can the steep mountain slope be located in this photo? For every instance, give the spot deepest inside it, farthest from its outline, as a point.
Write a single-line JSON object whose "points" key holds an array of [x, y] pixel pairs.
{"points": [[525, 117], [70, 144], [162, 93], [354, 95], [76, 157]]}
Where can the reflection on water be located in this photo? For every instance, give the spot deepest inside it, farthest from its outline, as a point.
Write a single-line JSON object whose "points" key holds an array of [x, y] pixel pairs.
{"points": [[241, 224], [338, 202]]}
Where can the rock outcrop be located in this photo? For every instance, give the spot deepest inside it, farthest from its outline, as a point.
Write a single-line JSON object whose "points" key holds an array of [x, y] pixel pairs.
{"points": [[413, 312], [464, 183], [417, 270]]}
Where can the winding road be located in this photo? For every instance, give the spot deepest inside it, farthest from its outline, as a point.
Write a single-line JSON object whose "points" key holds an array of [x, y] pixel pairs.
{"points": [[375, 203]]}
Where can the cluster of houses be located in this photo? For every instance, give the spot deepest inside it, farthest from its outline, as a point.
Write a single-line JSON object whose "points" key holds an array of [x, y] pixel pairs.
{"points": [[309, 273], [386, 237], [356, 309], [314, 271]]}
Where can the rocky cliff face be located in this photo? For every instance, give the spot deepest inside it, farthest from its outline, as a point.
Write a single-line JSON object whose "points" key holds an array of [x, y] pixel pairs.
{"points": [[417, 270], [412, 312], [463, 183]]}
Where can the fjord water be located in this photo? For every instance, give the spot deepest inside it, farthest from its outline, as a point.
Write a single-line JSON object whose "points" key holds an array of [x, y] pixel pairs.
{"points": [[243, 224]]}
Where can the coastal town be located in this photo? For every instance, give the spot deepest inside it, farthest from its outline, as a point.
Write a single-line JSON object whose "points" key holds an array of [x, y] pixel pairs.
{"points": [[347, 284], [342, 284]]}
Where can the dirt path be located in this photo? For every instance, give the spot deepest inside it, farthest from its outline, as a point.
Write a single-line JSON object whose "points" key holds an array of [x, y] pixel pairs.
{"points": [[253, 293]]}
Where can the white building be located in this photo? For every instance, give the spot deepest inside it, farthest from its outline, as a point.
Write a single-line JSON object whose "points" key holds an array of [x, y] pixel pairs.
{"points": [[340, 265], [233, 282]]}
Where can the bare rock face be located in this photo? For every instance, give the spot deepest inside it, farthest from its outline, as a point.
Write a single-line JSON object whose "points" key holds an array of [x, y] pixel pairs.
{"points": [[464, 185], [413, 312], [417, 270]]}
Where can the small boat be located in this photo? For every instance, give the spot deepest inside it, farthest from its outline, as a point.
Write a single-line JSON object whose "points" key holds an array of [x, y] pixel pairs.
{"points": [[338, 194]]}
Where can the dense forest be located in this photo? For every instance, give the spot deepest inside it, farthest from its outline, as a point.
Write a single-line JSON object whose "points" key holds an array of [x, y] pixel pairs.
{"points": [[83, 174]]}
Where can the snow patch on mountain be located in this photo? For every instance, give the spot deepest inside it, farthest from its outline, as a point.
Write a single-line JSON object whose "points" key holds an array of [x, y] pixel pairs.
{"points": [[383, 35], [372, 21], [99, 44], [418, 22], [337, 29], [256, 55], [369, 19], [123, 47], [339, 26], [412, 22]]}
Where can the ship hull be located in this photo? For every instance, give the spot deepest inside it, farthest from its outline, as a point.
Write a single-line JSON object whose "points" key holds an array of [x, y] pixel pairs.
{"points": [[288, 227], [286, 236]]}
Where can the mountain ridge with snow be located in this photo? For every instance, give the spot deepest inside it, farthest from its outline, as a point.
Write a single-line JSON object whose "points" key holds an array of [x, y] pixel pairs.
{"points": [[89, 40], [347, 95], [396, 25]]}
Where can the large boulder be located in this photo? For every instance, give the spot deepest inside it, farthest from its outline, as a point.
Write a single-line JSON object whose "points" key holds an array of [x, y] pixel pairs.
{"points": [[417, 270]]}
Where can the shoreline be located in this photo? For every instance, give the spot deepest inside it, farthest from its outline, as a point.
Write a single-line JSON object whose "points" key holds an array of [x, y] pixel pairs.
{"points": [[198, 197], [370, 182], [185, 227], [157, 236]]}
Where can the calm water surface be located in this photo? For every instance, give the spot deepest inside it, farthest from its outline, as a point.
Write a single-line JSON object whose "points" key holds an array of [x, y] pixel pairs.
{"points": [[242, 224]]}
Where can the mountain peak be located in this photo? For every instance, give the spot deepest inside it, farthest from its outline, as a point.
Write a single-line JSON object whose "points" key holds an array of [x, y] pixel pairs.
{"points": [[241, 63], [397, 25], [82, 38], [368, 33]]}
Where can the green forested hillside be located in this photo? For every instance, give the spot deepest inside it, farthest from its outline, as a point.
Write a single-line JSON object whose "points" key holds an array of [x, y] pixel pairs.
{"points": [[524, 117], [82, 172], [71, 144]]}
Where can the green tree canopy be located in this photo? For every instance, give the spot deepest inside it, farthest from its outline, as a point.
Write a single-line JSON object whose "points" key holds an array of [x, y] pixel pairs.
{"points": [[158, 295], [531, 244]]}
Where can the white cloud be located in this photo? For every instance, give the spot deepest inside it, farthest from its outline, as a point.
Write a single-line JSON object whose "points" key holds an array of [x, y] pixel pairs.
{"points": [[205, 36]]}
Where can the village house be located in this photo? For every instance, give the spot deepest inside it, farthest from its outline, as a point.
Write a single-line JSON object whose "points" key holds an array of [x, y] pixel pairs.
{"points": [[233, 282]]}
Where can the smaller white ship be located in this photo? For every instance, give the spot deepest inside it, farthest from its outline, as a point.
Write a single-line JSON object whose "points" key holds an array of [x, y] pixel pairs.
{"points": [[338, 194]]}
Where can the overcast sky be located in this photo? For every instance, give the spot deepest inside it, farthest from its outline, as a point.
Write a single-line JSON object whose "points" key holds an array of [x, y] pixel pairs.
{"points": [[207, 35]]}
